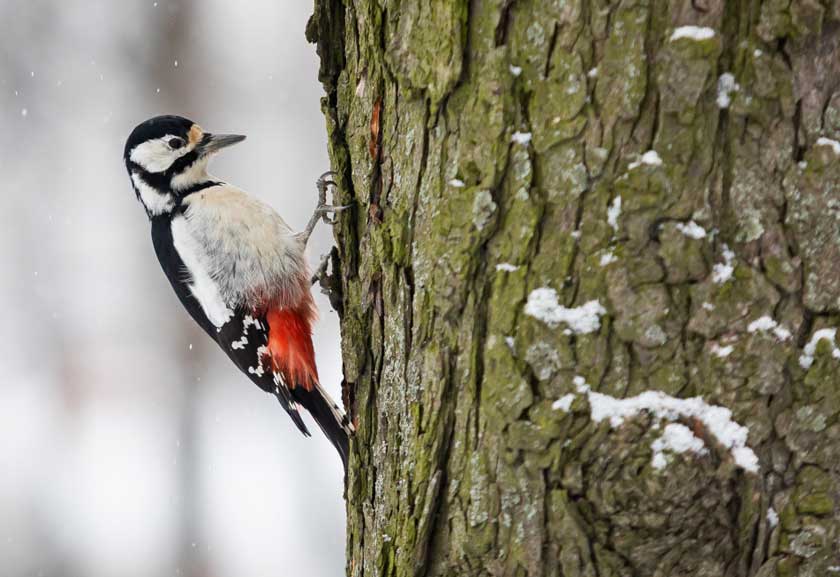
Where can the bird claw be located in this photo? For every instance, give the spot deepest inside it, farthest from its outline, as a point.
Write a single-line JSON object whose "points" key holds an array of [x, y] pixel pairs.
{"points": [[325, 209], [324, 183], [322, 211]]}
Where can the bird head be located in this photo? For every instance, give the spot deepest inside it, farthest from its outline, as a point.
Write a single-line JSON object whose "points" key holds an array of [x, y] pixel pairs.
{"points": [[166, 156]]}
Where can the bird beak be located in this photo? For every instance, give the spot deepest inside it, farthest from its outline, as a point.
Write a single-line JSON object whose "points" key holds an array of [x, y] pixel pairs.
{"points": [[211, 143]]}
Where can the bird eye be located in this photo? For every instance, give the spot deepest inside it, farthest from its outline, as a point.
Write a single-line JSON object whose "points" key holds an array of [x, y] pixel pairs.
{"points": [[175, 143]]}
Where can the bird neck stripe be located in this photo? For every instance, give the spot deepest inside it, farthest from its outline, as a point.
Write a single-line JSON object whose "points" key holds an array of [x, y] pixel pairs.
{"points": [[157, 180], [155, 201], [197, 187], [156, 194]]}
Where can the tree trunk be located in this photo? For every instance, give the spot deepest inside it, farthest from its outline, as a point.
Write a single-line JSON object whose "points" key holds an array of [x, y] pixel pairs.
{"points": [[562, 204]]}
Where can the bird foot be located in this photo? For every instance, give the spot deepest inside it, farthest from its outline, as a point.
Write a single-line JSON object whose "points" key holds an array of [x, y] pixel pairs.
{"points": [[323, 210], [325, 184]]}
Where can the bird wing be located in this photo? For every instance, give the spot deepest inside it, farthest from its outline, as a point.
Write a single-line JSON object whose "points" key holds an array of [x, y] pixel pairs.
{"points": [[275, 350], [240, 331], [245, 339]]}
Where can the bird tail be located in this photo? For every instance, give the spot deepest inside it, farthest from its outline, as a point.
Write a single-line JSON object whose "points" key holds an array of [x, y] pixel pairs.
{"points": [[330, 418], [293, 357]]}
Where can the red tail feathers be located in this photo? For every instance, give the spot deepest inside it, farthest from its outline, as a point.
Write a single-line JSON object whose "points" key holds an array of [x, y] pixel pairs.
{"points": [[290, 345], [293, 357]]}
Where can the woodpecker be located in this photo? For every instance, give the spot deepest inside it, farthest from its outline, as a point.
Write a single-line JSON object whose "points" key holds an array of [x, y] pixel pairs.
{"points": [[235, 265]]}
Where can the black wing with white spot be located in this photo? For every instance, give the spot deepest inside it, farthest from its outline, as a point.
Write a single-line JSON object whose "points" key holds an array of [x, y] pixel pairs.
{"points": [[245, 340], [243, 336]]}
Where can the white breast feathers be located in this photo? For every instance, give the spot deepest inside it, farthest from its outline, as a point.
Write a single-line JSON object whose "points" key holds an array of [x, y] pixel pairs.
{"points": [[248, 251], [203, 287]]}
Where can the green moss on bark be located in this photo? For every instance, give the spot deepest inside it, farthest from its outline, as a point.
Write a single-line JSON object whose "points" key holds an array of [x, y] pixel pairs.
{"points": [[494, 148]]}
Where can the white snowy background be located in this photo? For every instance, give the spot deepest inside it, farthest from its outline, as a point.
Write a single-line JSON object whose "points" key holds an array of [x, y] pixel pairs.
{"points": [[129, 445]]}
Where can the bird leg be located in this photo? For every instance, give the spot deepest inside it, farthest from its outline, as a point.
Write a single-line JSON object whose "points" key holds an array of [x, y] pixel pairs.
{"points": [[323, 209]]}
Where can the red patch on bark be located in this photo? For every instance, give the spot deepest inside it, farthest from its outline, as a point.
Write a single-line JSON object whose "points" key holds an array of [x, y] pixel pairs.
{"points": [[290, 345]]}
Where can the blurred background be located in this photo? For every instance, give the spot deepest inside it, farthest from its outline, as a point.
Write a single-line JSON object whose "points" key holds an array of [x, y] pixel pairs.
{"points": [[130, 445]]}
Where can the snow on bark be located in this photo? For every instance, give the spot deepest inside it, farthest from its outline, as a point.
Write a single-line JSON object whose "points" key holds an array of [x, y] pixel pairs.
{"points": [[722, 272], [717, 420], [543, 305], [649, 158], [676, 438], [692, 230], [806, 359], [768, 324], [693, 33]]}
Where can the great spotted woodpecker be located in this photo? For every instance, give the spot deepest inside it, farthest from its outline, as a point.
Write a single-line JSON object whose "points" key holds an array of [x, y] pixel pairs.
{"points": [[236, 266]]}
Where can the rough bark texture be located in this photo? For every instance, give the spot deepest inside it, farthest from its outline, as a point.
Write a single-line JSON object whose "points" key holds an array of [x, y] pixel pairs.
{"points": [[461, 466]]}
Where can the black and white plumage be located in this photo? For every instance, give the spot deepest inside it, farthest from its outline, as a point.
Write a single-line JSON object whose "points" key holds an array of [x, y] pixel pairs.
{"points": [[235, 265]]}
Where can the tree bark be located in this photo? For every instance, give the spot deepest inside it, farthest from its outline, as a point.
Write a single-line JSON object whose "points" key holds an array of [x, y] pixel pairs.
{"points": [[498, 156]]}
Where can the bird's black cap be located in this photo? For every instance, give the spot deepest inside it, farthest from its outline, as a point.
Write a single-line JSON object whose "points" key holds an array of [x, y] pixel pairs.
{"points": [[155, 128]]}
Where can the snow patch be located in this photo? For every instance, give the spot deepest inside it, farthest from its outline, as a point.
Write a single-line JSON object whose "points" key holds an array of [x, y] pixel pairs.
{"points": [[658, 461], [613, 212], [580, 385], [651, 158], [457, 183], [765, 324], [835, 146], [521, 137], [722, 352], [693, 33], [725, 87], [515, 70], [691, 229], [564, 403], [506, 267], [543, 304], [723, 272], [607, 259], [676, 438], [807, 357], [716, 419], [772, 517], [593, 73]]}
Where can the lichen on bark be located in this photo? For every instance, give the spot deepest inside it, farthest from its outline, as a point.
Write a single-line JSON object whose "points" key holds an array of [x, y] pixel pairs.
{"points": [[494, 148]]}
